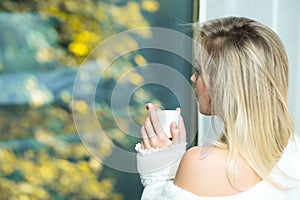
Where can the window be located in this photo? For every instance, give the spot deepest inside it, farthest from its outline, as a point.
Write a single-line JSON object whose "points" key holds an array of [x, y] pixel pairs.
{"points": [[44, 44]]}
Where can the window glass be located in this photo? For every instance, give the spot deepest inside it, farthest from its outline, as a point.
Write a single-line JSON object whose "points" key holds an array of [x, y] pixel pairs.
{"points": [[44, 44]]}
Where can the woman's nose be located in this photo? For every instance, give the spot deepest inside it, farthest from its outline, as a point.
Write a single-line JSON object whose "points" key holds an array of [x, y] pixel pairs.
{"points": [[193, 78]]}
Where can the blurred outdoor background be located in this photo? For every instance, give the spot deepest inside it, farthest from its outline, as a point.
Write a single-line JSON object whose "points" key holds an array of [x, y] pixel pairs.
{"points": [[42, 45]]}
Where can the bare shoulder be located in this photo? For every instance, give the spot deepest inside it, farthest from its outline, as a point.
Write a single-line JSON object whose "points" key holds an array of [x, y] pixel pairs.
{"points": [[202, 171]]}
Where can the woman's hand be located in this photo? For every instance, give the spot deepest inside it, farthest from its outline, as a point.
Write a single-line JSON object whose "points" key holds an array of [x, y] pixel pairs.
{"points": [[153, 135]]}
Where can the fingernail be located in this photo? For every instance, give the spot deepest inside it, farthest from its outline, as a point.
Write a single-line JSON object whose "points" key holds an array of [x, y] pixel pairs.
{"points": [[174, 125], [149, 106]]}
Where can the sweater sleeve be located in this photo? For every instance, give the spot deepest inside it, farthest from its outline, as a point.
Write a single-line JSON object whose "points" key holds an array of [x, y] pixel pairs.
{"points": [[157, 167]]}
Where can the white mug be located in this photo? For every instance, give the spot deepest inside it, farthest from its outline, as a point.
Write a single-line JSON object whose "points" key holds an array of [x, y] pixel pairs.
{"points": [[166, 117]]}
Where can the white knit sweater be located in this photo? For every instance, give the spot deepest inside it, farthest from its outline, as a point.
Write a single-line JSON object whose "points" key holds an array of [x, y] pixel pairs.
{"points": [[157, 168]]}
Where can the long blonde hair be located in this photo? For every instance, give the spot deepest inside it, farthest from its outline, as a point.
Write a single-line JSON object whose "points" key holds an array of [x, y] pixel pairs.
{"points": [[245, 68]]}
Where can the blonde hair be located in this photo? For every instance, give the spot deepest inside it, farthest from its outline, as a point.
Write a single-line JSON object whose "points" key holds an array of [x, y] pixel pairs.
{"points": [[245, 68]]}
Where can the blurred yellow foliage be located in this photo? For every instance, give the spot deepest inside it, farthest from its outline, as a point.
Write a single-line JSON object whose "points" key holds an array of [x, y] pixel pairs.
{"points": [[140, 60], [129, 16], [10, 158], [136, 79], [150, 5], [45, 54], [61, 175], [95, 165], [84, 24], [44, 158], [45, 137], [79, 48], [66, 96], [82, 41], [87, 36], [81, 106]]}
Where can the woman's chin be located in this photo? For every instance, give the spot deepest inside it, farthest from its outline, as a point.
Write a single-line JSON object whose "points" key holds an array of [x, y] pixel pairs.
{"points": [[205, 112]]}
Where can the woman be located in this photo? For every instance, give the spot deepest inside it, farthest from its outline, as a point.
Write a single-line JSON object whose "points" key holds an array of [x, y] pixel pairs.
{"points": [[242, 78]]}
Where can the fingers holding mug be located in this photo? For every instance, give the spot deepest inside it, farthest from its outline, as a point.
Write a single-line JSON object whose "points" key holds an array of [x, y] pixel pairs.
{"points": [[145, 139], [156, 124]]}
